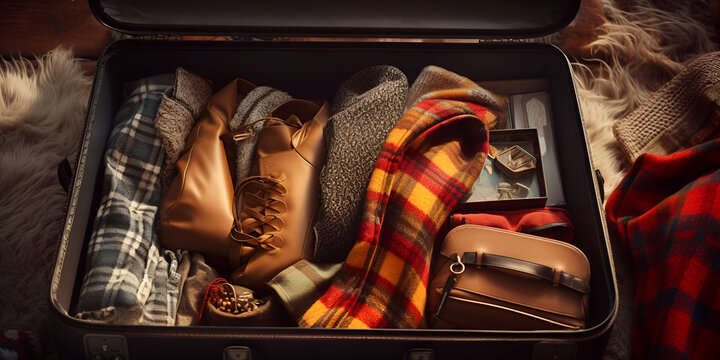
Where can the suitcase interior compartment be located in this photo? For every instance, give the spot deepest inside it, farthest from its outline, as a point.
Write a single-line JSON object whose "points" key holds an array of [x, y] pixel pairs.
{"points": [[314, 71]]}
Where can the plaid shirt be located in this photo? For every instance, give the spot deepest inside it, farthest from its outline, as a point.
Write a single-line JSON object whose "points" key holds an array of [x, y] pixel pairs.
{"points": [[428, 163], [667, 214], [129, 278]]}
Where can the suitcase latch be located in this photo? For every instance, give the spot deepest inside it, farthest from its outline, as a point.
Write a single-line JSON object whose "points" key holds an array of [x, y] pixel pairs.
{"points": [[555, 350], [106, 347], [237, 353], [419, 354]]}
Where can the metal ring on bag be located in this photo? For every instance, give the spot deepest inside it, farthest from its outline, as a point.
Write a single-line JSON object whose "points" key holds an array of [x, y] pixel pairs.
{"points": [[458, 262]]}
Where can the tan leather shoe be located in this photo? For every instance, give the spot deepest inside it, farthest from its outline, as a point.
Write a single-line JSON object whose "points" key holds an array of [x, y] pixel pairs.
{"points": [[274, 210]]}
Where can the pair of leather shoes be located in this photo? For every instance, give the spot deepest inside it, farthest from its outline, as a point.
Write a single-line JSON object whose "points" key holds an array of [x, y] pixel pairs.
{"points": [[274, 208]]}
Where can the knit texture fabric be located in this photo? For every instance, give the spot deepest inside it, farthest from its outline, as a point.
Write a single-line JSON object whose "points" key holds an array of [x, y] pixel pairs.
{"points": [[666, 212], [679, 115], [258, 103], [366, 107], [196, 276], [179, 108], [301, 284], [428, 163]]}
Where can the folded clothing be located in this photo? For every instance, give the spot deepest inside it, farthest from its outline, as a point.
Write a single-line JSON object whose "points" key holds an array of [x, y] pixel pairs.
{"points": [[366, 107], [179, 108], [683, 113], [547, 222], [196, 276], [129, 278], [256, 105], [666, 213], [301, 284], [428, 163]]}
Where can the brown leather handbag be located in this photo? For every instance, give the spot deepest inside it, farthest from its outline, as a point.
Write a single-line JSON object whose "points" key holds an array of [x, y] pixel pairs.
{"points": [[494, 279], [275, 207], [196, 212]]}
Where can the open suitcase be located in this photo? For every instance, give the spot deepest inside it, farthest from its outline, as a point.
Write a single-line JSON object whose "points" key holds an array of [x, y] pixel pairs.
{"points": [[313, 70]]}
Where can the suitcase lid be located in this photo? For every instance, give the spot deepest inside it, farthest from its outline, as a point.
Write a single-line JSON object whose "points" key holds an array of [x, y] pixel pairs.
{"points": [[338, 18]]}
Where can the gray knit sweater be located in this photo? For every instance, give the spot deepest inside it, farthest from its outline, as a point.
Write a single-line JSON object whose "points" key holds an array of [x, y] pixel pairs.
{"points": [[366, 107]]}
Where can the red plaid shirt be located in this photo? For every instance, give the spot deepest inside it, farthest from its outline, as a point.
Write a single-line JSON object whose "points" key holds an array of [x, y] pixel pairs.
{"points": [[667, 214]]}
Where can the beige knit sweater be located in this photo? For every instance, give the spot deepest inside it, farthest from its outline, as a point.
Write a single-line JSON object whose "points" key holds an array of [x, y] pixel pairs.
{"points": [[679, 115]]}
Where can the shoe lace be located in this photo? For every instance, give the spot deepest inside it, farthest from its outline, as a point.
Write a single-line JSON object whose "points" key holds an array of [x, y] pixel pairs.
{"points": [[258, 216]]}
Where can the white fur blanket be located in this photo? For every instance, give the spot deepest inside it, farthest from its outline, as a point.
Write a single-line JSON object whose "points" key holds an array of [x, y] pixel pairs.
{"points": [[637, 51], [42, 111]]}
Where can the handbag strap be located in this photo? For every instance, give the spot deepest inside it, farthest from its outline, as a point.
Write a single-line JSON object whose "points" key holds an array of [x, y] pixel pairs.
{"points": [[557, 277]]}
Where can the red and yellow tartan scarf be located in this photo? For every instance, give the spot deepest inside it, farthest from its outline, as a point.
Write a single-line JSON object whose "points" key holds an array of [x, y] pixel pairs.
{"points": [[427, 164]]}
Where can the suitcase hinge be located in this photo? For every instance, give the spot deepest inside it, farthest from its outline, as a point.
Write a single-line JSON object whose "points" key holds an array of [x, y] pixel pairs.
{"points": [[506, 41], [549, 39], [120, 36]]}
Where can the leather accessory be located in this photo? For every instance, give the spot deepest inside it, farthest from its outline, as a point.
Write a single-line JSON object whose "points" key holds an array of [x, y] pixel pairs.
{"points": [[493, 279], [231, 305], [275, 207], [197, 210]]}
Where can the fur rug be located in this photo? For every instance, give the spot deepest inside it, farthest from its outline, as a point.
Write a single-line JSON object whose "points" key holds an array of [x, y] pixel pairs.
{"points": [[639, 46], [642, 45], [42, 114]]}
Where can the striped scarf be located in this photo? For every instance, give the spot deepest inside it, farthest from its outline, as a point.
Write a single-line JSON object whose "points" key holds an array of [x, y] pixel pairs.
{"points": [[427, 164]]}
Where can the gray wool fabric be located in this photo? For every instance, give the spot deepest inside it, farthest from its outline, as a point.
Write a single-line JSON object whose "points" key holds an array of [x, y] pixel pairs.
{"points": [[366, 107], [196, 276], [180, 106], [258, 103]]}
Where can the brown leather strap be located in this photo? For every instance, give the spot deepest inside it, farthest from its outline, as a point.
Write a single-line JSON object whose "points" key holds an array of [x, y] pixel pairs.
{"points": [[526, 267]]}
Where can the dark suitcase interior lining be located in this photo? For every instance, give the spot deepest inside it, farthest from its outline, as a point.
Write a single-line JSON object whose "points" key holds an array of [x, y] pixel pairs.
{"points": [[315, 71]]}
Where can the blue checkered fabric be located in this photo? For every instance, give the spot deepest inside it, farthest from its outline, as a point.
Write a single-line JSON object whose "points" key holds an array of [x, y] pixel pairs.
{"points": [[129, 278]]}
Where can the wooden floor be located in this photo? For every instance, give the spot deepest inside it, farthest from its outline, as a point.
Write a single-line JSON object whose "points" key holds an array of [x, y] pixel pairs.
{"points": [[33, 27]]}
